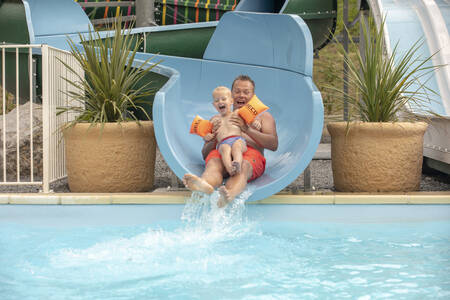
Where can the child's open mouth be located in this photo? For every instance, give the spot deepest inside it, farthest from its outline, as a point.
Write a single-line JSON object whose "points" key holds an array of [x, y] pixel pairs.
{"points": [[222, 107]]}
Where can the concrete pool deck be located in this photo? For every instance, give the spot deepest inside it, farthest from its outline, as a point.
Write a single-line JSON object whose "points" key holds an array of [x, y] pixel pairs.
{"points": [[179, 197]]}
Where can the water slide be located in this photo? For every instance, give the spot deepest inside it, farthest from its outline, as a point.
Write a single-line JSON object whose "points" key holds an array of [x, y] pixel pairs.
{"points": [[406, 22], [319, 15], [279, 59], [175, 39], [275, 50]]}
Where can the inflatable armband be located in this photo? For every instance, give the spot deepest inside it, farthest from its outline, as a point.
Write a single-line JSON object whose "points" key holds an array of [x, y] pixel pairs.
{"points": [[201, 126], [249, 111]]}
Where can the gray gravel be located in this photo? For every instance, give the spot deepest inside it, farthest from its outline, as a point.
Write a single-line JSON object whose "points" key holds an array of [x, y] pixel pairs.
{"points": [[321, 180]]}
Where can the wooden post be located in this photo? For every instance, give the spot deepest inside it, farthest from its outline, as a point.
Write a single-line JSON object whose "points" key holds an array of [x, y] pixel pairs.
{"points": [[145, 13], [307, 179], [364, 15], [345, 44]]}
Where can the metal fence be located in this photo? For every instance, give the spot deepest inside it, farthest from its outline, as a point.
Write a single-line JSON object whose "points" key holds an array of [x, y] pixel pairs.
{"points": [[32, 148]]}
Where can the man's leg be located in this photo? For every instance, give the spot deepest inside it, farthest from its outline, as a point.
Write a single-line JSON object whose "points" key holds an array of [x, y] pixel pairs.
{"points": [[214, 172], [235, 184], [212, 177]]}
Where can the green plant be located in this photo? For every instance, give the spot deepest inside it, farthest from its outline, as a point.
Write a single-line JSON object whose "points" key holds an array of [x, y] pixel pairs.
{"points": [[328, 70], [353, 11], [108, 91], [326, 75], [385, 85], [10, 102]]}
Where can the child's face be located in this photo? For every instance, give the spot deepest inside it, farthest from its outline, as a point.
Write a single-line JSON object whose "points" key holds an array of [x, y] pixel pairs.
{"points": [[222, 101]]}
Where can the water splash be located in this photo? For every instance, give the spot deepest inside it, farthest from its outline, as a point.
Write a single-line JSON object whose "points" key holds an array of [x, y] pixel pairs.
{"points": [[203, 229], [201, 211]]}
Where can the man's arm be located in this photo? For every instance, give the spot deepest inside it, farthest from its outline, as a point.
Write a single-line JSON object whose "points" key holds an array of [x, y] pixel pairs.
{"points": [[208, 147], [266, 137]]}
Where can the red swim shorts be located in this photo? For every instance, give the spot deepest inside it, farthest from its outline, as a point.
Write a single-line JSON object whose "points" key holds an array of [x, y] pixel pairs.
{"points": [[253, 156]]}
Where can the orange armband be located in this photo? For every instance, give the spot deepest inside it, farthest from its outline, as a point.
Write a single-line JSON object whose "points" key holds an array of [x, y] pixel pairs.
{"points": [[201, 126], [249, 111]]}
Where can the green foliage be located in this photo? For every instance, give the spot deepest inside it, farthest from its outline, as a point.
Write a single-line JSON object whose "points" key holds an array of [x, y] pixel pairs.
{"points": [[385, 86], [10, 102], [353, 11], [109, 90], [329, 76], [328, 72]]}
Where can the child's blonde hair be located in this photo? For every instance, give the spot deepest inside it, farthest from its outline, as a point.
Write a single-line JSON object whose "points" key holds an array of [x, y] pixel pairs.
{"points": [[222, 89]]}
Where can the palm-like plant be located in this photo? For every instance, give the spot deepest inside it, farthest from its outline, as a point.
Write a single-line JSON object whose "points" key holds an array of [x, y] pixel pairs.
{"points": [[386, 86], [108, 90]]}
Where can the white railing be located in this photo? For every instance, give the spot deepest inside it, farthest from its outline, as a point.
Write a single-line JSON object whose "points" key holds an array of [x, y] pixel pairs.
{"points": [[53, 94]]}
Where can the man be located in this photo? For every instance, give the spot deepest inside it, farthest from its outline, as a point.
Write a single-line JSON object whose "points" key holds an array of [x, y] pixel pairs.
{"points": [[253, 166]]}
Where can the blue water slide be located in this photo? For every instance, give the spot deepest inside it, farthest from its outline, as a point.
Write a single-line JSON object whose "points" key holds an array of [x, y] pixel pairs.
{"points": [[275, 50], [51, 21]]}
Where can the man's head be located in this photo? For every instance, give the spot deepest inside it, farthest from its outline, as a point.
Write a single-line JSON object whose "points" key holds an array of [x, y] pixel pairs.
{"points": [[242, 90], [222, 100]]}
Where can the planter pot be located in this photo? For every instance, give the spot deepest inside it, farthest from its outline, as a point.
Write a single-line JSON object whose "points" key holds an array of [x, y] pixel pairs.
{"points": [[377, 157], [118, 158]]}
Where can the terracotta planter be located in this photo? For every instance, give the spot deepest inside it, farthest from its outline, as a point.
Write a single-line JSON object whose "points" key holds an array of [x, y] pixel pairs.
{"points": [[119, 159], [377, 157]]}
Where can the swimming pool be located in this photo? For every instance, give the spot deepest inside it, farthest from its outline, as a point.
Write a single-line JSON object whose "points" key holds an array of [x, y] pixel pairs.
{"points": [[195, 251]]}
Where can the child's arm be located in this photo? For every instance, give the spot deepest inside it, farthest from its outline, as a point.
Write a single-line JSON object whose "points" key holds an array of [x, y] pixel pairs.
{"points": [[216, 121], [210, 144]]}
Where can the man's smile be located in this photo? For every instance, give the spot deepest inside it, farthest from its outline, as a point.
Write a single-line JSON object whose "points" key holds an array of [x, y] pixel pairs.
{"points": [[240, 102]]}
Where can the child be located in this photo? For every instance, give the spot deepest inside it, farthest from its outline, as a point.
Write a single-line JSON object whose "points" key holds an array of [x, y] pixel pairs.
{"points": [[231, 144]]}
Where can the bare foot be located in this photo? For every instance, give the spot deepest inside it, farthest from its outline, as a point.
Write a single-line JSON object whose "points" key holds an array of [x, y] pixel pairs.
{"points": [[195, 183], [235, 168], [224, 197], [229, 168]]}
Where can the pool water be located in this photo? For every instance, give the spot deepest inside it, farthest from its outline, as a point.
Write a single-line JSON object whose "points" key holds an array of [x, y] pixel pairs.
{"points": [[208, 253]]}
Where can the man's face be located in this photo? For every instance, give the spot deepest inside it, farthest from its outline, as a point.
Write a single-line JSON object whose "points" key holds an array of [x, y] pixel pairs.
{"points": [[242, 92], [222, 101]]}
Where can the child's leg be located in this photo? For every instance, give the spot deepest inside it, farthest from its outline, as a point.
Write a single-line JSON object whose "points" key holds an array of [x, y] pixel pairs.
{"points": [[238, 148], [225, 151], [235, 185]]}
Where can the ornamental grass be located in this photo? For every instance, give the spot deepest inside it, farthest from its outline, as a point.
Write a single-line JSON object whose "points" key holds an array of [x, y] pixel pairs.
{"points": [[112, 87], [388, 87]]}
